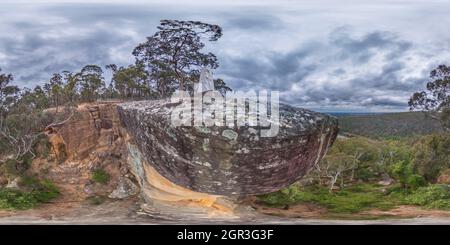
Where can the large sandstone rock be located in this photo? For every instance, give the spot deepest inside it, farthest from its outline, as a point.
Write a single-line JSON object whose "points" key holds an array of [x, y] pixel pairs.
{"points": [[92, 127], [228, 161]]}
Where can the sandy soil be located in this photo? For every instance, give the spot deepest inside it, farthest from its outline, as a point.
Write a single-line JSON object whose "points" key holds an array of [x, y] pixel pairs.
{"points": [[131, 212]]}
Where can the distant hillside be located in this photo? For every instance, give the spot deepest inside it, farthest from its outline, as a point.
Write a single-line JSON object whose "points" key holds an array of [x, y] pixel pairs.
{"points": [[389, 125]]}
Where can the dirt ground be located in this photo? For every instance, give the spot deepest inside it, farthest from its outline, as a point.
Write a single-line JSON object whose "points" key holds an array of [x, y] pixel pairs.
{"points": [[130, 211], [311, 211]]}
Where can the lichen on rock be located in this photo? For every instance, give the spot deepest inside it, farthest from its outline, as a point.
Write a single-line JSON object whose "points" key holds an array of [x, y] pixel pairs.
{"points": [[228, 161]]}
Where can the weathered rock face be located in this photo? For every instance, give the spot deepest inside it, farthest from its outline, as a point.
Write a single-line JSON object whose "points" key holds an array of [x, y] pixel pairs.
{"points": [[93, 126], [227, 161], [87, 140]]}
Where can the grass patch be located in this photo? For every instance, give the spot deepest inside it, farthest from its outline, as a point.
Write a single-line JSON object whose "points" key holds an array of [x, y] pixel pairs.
{"points": [[100, 176], [35, 191], [432, 196], [361, 197], [15, 199], [351, 200], [42, 190]]}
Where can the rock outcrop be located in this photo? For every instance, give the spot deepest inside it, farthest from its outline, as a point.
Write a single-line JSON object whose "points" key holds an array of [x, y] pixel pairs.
{"points": [[228, 161], [88, 139], [92, 126]]}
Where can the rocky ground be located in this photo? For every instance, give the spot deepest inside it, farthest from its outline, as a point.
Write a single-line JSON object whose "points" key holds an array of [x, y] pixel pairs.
{"points": [[129, 212]]}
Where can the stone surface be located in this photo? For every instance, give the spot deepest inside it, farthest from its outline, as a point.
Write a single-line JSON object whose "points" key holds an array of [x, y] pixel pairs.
{"points": [[444, 178], [206, 82], [90, 139], [386, 180], [125, 188], [228, 161], [93, 126], [14, 184]]}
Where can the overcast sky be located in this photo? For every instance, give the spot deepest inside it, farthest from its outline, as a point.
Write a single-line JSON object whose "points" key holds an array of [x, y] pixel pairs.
{"points": [[322, 54]]}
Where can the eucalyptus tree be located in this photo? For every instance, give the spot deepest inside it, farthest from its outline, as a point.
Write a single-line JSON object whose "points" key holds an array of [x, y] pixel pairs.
{"points": [[174, 55], [435, 100], [92, 83]]}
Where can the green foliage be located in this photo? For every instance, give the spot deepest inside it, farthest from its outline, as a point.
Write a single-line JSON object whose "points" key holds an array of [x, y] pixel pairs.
{"points": [[349, 160], [42, 190], [15, 199], [289, 195], [414, 162], [365, 174], [414, 181], [21, 118], [360, 197], [355, 199], [131, 82], [435, 100], [433, 196], [92, 82], [406, 160], [369, 159], [34, 192], [432, 155], [100, 176], [8, 93], [403, 172], [174, 55]]}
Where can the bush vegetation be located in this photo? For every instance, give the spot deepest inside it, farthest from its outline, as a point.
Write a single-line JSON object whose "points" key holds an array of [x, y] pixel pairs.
{"points": [[433, 196], [391, 126], [346, 180], [33, 192], [351, 200]]}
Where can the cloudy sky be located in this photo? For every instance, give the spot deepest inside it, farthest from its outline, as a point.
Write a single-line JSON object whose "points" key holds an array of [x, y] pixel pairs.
{"points": [[350, 55]]}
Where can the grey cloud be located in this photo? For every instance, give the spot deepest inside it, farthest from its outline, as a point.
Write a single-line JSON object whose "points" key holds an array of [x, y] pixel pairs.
{"points": [[254, 22], [302, 51], [362, 49], [34, 58], [270, 70], [282, 71], [377, 101]]}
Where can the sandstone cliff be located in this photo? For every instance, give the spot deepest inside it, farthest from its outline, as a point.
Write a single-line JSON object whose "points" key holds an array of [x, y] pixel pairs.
{"points": [[224, 161], [189, 167]]}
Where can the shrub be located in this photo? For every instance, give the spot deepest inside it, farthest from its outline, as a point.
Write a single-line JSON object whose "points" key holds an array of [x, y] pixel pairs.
{"points": [[100, 176], [364, 174], [42, 190], [35, 191], [403, 172], [414, 181], [433, 196], [15, 199], [351, 200], [431, 155], [16, 167]]}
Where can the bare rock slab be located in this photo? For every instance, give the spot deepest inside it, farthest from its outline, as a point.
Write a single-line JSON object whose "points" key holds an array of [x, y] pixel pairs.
{"points": [[228, 161]]}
